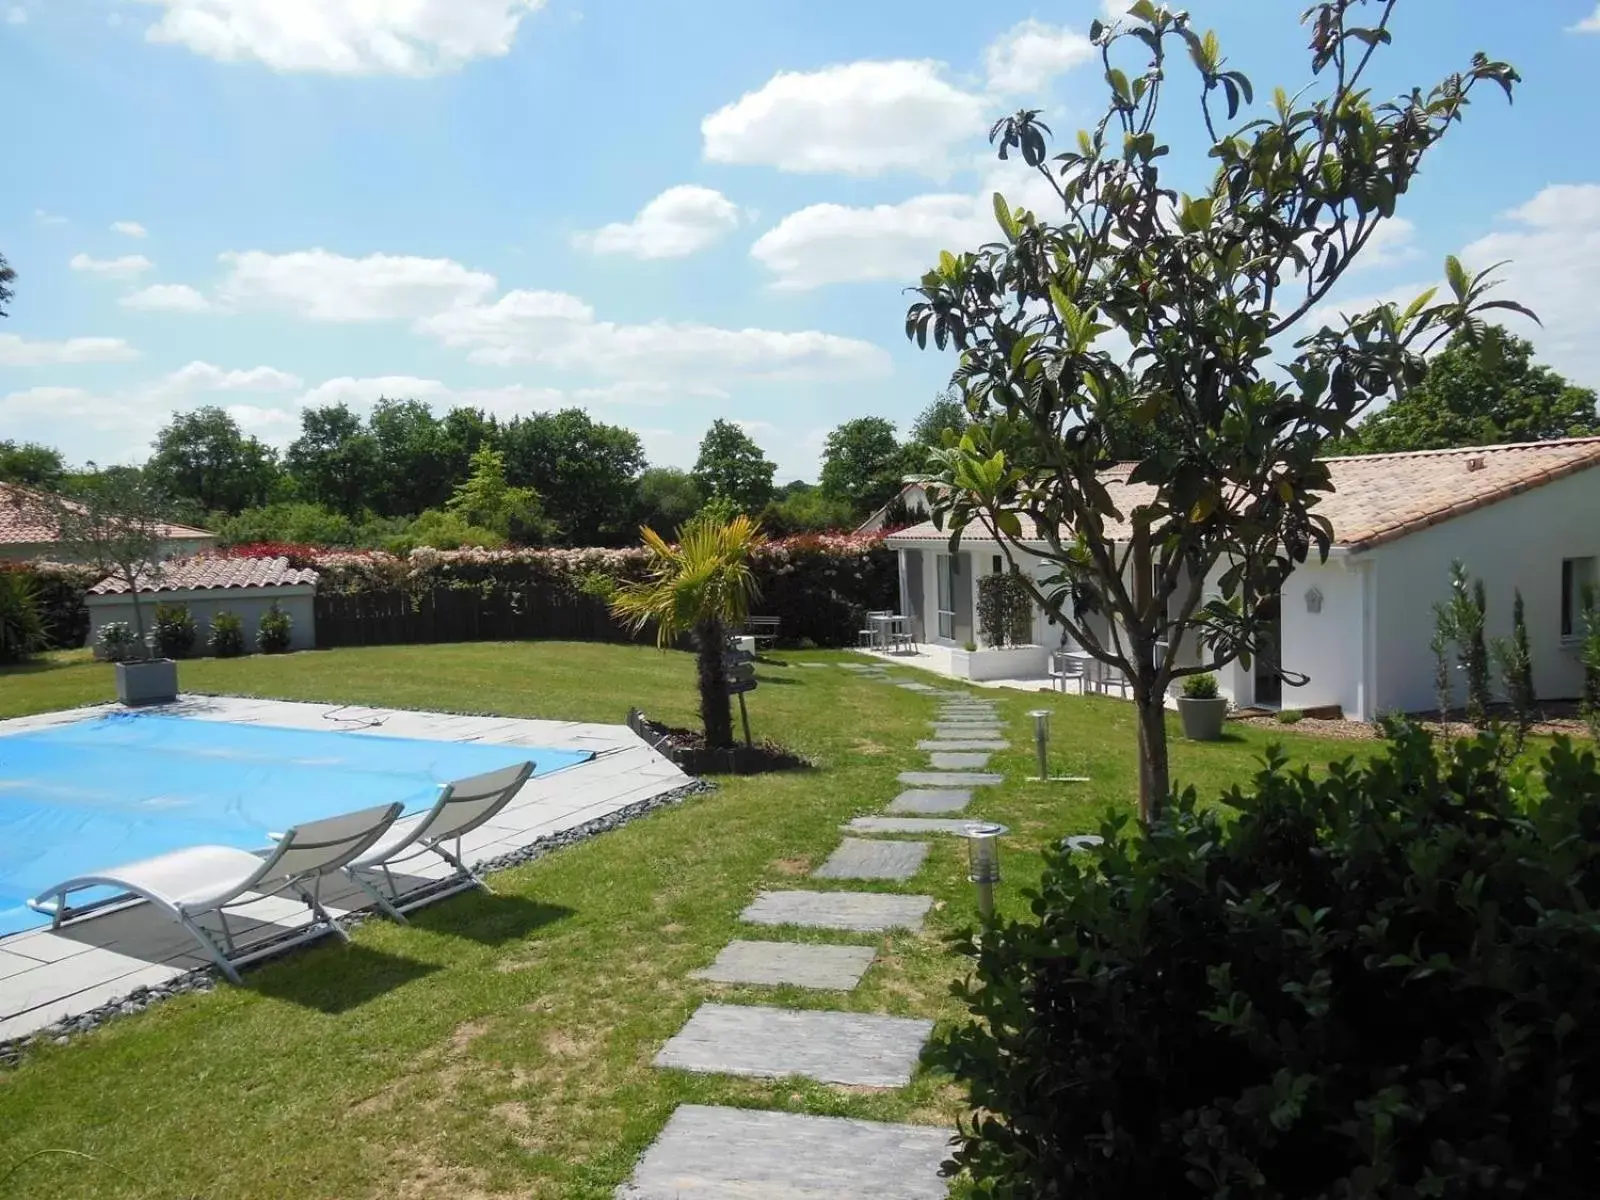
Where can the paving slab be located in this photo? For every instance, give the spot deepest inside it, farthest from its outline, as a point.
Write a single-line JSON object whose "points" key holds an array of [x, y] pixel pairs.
{"points": [[859, 1049], [932, 800], [1082, 841], [709, 1153], [968, 731], [951, 778], [916, 687], [869, 825], [856, 859], [950, 745], [941, 760], [854, 912], [831, 967], [968, 710]]}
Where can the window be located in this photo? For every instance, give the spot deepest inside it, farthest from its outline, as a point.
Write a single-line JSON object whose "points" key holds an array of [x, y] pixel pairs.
{"points": [[999, 564], [1577, 578]]}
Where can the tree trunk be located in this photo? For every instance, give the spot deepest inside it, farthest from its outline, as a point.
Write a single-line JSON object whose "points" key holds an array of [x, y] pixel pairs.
{"points": [[140, 641], [716, 713], [1154, 776]]}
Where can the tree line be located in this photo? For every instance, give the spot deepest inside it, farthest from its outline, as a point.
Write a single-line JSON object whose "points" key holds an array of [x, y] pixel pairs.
{"points": [[403, 476]]}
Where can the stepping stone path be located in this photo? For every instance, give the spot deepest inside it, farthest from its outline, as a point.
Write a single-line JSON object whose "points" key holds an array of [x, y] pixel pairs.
{"points": [[855, 859], [1082, 841], [858, 1049], [837, 968], [954, 778], [952, 825], [708, 1153], [737, 1154], [941, 760], [855, 912], [933, 800]]}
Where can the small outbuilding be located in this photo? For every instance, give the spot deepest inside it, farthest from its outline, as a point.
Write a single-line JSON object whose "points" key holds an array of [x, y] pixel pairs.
{"points": [[207, 585]]}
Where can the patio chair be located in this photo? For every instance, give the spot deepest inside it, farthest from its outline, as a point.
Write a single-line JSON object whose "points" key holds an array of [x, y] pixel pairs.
{"points": [[462, 806], [204, 881], [1063, 666]]}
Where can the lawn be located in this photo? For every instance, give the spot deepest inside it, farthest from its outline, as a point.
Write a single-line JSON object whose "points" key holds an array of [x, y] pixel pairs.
{"points": [[501, 1045]]}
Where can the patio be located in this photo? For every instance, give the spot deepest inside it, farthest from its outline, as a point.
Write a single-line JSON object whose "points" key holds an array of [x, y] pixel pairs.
{"points": [[47, 976]]}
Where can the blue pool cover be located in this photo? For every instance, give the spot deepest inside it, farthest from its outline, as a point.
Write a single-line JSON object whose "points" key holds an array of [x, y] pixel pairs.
{"points": [[82, 797]]}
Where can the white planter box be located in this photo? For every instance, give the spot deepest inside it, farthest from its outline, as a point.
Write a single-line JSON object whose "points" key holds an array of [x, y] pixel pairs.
{"points": [[1009, 662]]}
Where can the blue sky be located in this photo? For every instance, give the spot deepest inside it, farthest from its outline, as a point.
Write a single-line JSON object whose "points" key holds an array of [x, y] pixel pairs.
{"points": [[662, 212]]}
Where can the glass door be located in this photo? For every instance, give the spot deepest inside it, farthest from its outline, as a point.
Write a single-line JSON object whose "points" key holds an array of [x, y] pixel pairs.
{"points": [[943, 571]]}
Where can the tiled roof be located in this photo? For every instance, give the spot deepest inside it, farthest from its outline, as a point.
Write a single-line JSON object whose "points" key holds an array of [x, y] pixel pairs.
{"points": [[25, 520], [207, 571], [1380, 497]]}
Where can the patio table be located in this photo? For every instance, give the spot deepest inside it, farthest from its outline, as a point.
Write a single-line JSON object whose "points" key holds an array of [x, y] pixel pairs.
{"points": [[887, 627]]}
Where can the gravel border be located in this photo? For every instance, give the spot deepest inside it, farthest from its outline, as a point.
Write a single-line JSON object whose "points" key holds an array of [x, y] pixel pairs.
{"points": [[204, 979]]}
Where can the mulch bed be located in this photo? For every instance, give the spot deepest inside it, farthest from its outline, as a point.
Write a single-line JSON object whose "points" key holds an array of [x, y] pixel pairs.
{"points": [[1556, 717], [687, 748]]}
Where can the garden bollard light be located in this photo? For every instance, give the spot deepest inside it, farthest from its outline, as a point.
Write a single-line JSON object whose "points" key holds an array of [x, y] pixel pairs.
{"points": [[983, 861], [1041, 739]]}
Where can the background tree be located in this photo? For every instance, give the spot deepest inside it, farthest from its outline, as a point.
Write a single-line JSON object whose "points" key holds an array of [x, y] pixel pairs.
{"points": [[732, 465], [31, 465], [334, 461], [205, 464], [585, 471], [800, 507], [486, 500], [1203, 288], [947, 411], [1481, 390], [702, 585], [667, 497], [7, 275], [863, 464], [418, 461]]}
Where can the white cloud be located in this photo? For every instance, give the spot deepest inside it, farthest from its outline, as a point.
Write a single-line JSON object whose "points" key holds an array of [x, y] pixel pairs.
{"points": [[323, 286], [203, 377], [1589, 24], [48, 218], [127, 426], [861, 118], [344, 37], [166, 297], [650, 393], [553, 330], [1115, 10], [363, 393], [833, 243], [18, 351], [1030, 54], [1393, 242], [129, 229], [677, 223], [129, 266]]}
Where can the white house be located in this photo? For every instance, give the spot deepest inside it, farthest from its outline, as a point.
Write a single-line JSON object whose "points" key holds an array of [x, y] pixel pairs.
{"points": [[207, 585], [1520, 517]]}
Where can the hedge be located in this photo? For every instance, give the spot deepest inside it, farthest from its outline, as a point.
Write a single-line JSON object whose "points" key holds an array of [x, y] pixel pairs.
{"points": [[61, 588]]}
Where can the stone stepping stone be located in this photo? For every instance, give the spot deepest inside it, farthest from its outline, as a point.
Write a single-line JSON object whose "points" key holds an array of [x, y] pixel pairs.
{"points": [[1082, 841], [951, 825], [935, 800], [963, 710], [934, 779], [941, 760], [708, 1153], [856, 859], [830, 967], [853, 912], [858, 1049], [953, 744], [968, 731], [814, 666], [855, 667], [916, 687]]}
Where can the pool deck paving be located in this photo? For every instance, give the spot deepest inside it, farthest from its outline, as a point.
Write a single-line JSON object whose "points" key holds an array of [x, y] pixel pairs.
{"points": [[48, 976]]}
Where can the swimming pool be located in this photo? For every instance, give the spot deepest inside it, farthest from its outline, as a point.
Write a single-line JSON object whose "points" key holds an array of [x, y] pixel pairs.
{"points": [[76, 798]]}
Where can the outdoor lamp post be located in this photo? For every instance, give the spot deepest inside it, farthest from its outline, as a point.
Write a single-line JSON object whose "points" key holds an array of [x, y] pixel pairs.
{"points": [[983, 861], [1041, 740]]}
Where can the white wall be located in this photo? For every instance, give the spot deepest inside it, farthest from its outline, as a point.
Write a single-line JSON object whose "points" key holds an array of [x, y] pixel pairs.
{"points": [[248, 605], [1329, 646], [1517, 543]]}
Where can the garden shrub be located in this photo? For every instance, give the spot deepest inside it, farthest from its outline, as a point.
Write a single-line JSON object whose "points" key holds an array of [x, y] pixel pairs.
{"points": [[227, 635], [117, 642], [173, 631], [273, 633], [1200, 687], [60, 589], [22, 632], [1005, 609], [1375, 983]]}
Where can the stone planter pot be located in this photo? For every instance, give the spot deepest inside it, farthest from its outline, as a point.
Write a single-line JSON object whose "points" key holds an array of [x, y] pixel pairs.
{"points": [[152, 681], [1202, 719]]}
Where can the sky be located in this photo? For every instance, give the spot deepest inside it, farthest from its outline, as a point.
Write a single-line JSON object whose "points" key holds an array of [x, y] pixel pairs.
{"points": [[662, 212]]}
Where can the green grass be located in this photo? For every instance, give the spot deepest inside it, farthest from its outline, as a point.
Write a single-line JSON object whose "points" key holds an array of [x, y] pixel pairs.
{"points": [[501, 1045]]}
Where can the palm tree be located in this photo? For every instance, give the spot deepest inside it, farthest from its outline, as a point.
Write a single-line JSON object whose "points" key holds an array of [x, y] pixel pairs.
{"points": [[701, 586]]}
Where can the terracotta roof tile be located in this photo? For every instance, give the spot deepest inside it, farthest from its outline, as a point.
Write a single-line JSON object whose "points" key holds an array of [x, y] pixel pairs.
{"points": [[1380, 497], [208, 571], [25, 521]]}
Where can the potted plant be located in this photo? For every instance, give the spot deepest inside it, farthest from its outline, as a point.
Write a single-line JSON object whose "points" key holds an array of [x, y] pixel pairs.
{"points": [[114, 521], [1200, 709]]}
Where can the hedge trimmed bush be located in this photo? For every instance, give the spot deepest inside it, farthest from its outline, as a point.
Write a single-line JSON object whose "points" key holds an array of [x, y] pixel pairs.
{"points": [[174, 631], [274, 632], [1380, 983], [1005, 609], [21, 620], [227, 635]]}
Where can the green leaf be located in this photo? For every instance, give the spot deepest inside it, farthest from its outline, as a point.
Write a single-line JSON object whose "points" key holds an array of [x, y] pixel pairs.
{"points": [[1002, 214], [1006, 521], [1456, 276], [1417, 305], [1119, 86]]}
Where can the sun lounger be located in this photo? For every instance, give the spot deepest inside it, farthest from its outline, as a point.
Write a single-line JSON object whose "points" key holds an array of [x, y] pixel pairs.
{"points": [[462, 806], [206, 881]]}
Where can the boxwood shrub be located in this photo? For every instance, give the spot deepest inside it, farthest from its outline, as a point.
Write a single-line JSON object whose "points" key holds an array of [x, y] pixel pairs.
{"points": [[1380, 981]]}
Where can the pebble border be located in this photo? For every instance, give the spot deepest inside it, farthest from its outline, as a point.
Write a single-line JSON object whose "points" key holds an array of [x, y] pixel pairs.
{"points": [[204, 979]]}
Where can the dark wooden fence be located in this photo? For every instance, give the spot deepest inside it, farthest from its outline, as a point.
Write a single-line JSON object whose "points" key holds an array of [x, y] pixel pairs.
{"points": [[463, 615]]}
